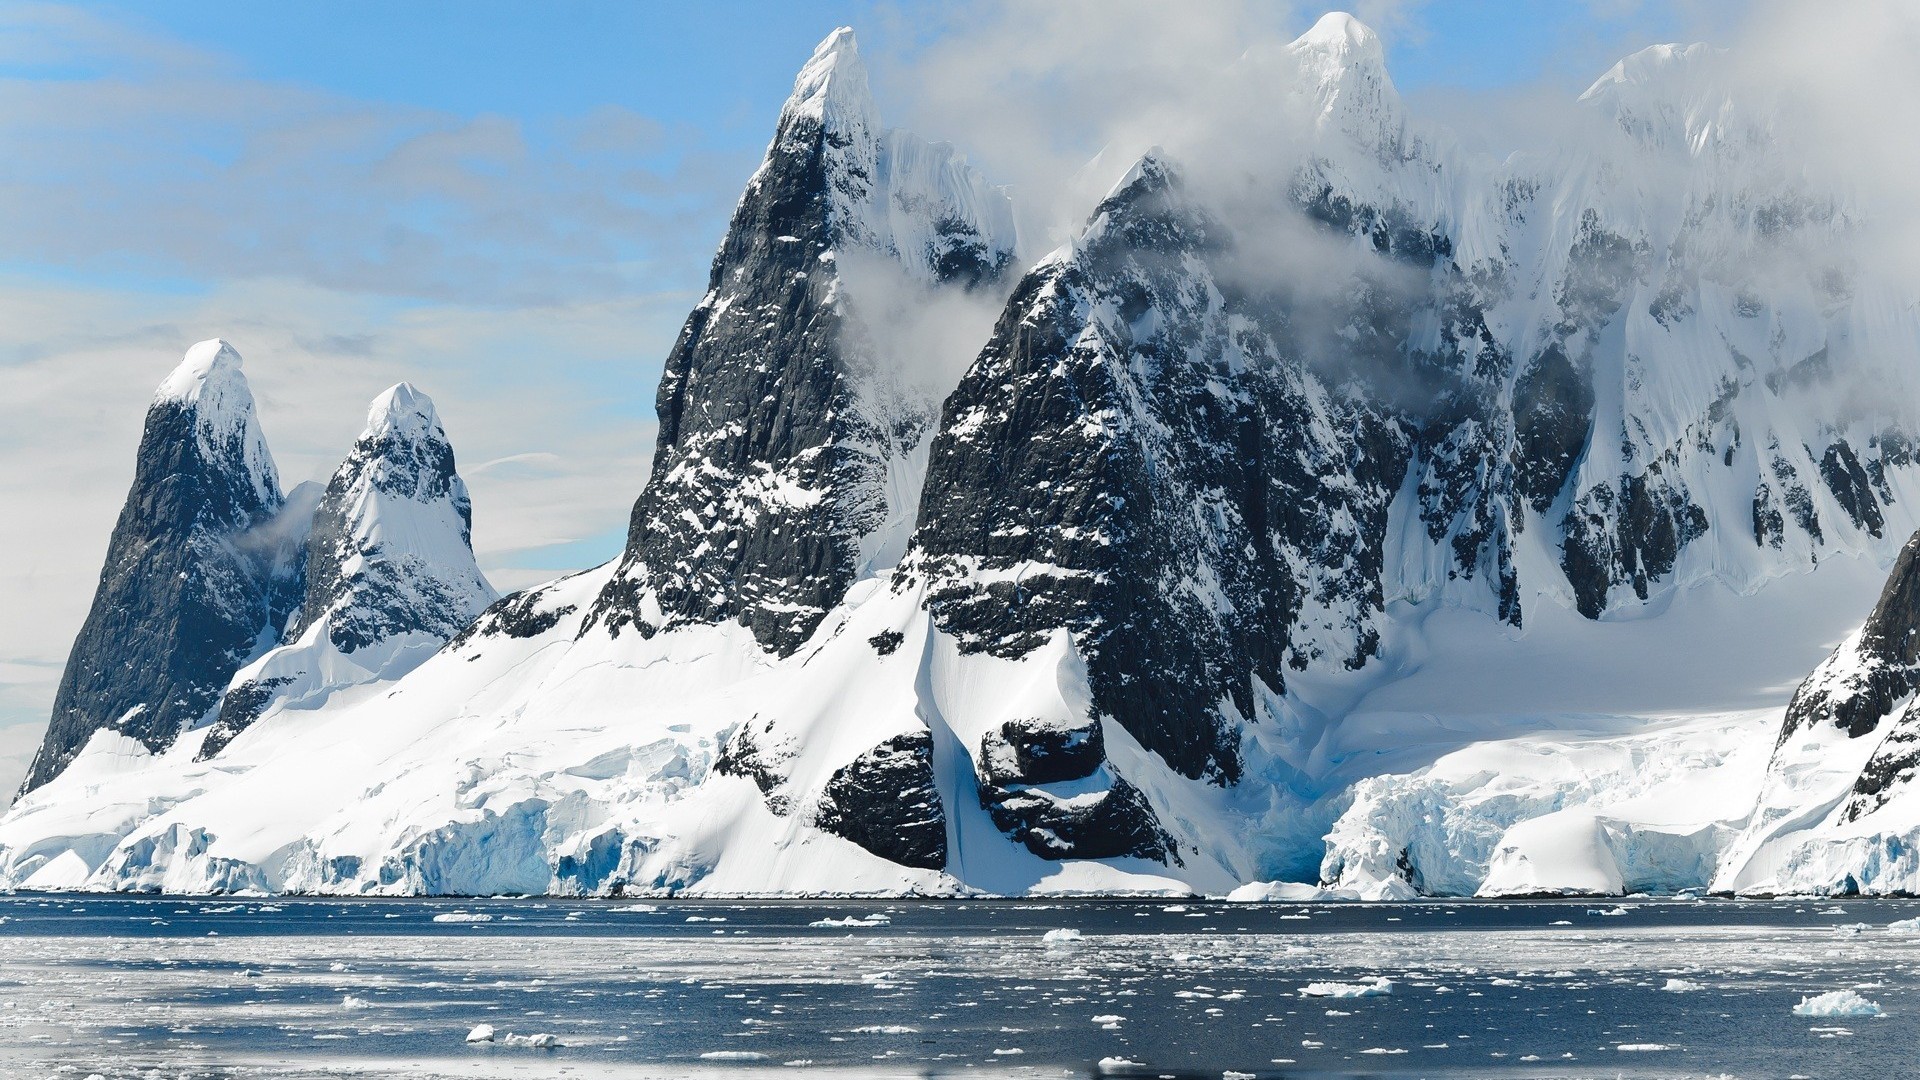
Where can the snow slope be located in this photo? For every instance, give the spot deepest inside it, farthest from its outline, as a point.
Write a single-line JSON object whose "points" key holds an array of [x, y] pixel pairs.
{"points": [[1482, 560]]}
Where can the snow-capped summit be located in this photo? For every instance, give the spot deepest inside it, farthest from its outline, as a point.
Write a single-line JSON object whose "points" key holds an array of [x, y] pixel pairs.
{"points": [[390, 572], [832, 88], [209, 382], [1680, 98], [194, 582], [403, 412], [1343, 78], [1341, 36]]}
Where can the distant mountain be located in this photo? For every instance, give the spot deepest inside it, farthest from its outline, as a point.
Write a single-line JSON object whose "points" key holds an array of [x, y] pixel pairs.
{"points": [[201, 571], [1388, 517]]}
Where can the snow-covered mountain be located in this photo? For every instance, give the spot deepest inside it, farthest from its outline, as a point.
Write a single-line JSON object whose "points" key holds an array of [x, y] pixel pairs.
{"points": [[789, 450], [1383, 518], [390, 573], [200, 573]]}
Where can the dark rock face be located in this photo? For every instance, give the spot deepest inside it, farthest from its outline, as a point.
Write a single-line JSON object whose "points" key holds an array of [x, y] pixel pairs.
{"points": [[1629, 534], [1120, 825], [1852, 488], [197, 579], [1553, 416], [1027, 775], [1036, 752], [1105, 468], [1868, 677], [771, 463], [886, 801], [526, 614]]}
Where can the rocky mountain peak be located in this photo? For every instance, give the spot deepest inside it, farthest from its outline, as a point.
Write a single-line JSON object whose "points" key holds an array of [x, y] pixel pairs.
{"points": [[209, 385], [389, 570], [831, 88], [194, 584]]}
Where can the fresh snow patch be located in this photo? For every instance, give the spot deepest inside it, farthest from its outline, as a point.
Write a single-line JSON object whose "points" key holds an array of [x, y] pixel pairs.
{"points": [[1836, 1003], [1378, 986]]}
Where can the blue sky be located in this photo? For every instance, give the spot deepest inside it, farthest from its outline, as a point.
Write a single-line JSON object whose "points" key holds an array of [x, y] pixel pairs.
{"points": [[513, 206]]}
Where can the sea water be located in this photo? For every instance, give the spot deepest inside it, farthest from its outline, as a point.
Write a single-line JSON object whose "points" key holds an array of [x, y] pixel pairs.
{"points": [[155, 988]]}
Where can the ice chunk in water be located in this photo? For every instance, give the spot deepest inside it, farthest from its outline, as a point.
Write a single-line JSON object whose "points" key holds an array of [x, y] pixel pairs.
{"points": [[1836, 1003], [1378, 986]]}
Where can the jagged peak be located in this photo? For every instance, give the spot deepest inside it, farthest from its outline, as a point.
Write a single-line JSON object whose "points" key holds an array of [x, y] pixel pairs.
{"points": [[832, 87], [1153, 167], [403, 412]]}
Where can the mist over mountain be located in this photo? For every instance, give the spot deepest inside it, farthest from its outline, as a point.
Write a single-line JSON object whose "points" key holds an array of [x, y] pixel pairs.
{"points": [[1319, 501]]}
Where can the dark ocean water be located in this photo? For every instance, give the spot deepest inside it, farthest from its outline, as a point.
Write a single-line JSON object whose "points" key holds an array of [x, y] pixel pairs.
{"points": [[169, 988]]}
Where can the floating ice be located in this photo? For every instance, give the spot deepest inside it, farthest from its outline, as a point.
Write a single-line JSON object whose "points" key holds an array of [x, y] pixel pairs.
{"points": [[1063, 936], [1836, 1003], [538, 1041], [1904, 926], [352, 1002], [1633, 1048], [875, 919], [1114, 1064], [1681, 986], [462, 917], [481, 1033], [1378, 986], [732, 1055]]}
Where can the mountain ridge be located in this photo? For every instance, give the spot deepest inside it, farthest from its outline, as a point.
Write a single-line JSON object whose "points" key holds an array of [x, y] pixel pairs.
{"points": [[1127, 603]]}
